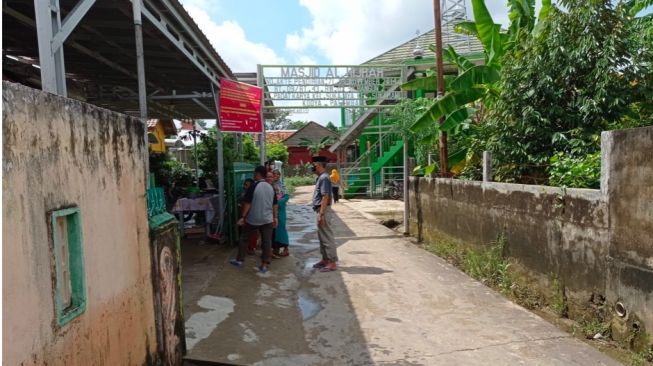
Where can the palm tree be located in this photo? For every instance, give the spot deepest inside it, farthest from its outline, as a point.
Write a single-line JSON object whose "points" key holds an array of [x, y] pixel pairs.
{"points": [[315, 147]]}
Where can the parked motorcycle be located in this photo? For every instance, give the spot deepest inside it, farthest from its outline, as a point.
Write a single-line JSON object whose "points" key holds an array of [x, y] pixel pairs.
{"points": [[395, 190]]}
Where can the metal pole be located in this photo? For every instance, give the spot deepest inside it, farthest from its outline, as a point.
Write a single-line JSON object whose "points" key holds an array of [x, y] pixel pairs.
{"points": [[142, 89], [406, 182], [259, 82], [51, 61], [197, 176], [220, 152], [444, 169], [404, 77]]}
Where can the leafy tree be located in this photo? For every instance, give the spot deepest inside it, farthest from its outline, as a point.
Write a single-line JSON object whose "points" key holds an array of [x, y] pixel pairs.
{"points": [[565, 84], [207, 151], [277, 151], [475, 83], [475, 87], [314, 147], [280, 122], [296, 125], [168, 172], [332, 127]]}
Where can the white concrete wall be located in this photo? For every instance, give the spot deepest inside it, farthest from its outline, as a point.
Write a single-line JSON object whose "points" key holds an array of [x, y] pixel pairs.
{"points": [[59, 152]]}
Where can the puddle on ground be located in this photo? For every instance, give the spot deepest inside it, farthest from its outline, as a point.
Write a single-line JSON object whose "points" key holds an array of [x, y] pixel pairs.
{"points": [[308, 305], [302, 229], [201, 325]]}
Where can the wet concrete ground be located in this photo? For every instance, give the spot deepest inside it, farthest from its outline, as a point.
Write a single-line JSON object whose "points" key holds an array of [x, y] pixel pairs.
{"points": [[390, 303]]}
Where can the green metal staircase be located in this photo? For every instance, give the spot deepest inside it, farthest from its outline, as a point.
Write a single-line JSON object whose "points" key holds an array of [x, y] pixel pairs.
{"points": [[388, 154], [361, 175]]}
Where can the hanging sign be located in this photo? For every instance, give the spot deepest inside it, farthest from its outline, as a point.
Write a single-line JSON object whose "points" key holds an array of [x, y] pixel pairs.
{"points": [[240, 107]]}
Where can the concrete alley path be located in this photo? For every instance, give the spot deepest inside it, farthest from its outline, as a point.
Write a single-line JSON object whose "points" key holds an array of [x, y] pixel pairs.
{"points": [[390, 303]]}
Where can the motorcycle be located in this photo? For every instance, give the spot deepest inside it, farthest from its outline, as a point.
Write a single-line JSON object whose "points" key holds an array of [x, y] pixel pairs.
{"points": [[395, 190]]}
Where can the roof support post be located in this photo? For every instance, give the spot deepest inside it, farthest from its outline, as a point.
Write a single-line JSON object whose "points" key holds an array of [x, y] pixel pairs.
{"points": [[161, 23], [220, 157], [51, 61], [70, 22], [259, 83], [142, 88]]}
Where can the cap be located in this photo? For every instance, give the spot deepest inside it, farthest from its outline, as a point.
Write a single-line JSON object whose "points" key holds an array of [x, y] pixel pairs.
{"points": [[320, 159]]}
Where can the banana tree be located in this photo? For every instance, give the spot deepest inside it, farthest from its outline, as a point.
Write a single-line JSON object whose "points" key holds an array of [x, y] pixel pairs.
{"points": [[474, 84], [314, 147]]}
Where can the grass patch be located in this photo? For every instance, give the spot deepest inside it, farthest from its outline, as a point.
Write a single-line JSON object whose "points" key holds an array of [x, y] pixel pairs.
{"points": [[302, 180], [486, 265], [642, 358], [559, 303], [489, 265], [588, 328]]}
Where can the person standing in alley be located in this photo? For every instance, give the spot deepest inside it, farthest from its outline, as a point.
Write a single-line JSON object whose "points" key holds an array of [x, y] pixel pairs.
{"points": [[259, 216], [281, 239], [322, 206], [335, 185]]}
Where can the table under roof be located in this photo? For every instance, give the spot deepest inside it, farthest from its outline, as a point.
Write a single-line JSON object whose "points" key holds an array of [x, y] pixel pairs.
{"points": [[99, 52]]}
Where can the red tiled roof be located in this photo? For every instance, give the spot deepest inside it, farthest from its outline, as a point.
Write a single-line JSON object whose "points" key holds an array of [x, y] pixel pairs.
{"points": [[274, 135], [278, 136]]}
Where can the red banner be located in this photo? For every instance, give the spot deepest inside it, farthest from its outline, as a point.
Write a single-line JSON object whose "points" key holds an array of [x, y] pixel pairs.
{"points": [[240, 107]]}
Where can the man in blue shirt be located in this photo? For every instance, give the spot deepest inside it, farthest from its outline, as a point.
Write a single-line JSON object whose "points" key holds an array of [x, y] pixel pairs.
{"points": [[259, 215], [322, 197]]}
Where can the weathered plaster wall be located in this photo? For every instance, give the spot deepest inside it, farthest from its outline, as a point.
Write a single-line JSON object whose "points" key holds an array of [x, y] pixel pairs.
{"points": [[627, 181], [548, 230], [593, 241], [60, 152]]}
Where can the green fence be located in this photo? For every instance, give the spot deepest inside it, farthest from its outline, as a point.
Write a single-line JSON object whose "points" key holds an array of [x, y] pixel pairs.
{"points": [[234, 187]]}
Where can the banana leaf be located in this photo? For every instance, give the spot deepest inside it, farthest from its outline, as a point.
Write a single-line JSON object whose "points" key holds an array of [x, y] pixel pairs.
{"points": [[488, 31], [457, 161], [544, 11], [428, 84], [429, 169], [448, 104], [467, 27], [476, 75], [463, 63], [635, 6], [457, 117]]}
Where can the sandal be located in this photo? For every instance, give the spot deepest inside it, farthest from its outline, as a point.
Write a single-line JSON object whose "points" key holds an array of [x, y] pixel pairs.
{"points": [[329, 267], [284, 252]]}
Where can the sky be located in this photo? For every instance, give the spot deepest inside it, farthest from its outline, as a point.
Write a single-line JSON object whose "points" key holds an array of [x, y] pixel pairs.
{"points": [[250, 32]]}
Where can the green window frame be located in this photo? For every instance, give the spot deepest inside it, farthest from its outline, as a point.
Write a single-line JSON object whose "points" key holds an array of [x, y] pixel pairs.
{"points": [[70, 278]]}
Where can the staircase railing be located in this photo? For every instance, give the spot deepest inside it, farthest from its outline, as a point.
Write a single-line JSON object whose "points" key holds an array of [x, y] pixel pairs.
{"points": [[362, 168]]}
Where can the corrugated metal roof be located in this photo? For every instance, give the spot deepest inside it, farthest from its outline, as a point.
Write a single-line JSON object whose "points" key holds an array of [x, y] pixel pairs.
{"points": [[463, 44], [100, 57]]}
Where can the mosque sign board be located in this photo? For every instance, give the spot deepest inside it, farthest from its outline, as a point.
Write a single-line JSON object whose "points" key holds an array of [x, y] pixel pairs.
{"points": [[240, 107], [332, 86]]}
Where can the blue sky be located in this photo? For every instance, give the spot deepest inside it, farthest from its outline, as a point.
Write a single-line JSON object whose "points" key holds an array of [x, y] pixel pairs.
{"points": [[255, 18]]}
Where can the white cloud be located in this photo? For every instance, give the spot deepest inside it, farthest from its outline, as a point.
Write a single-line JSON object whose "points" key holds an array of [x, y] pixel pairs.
{"points": [[346, 31], [306, 60], [230, 41]]}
